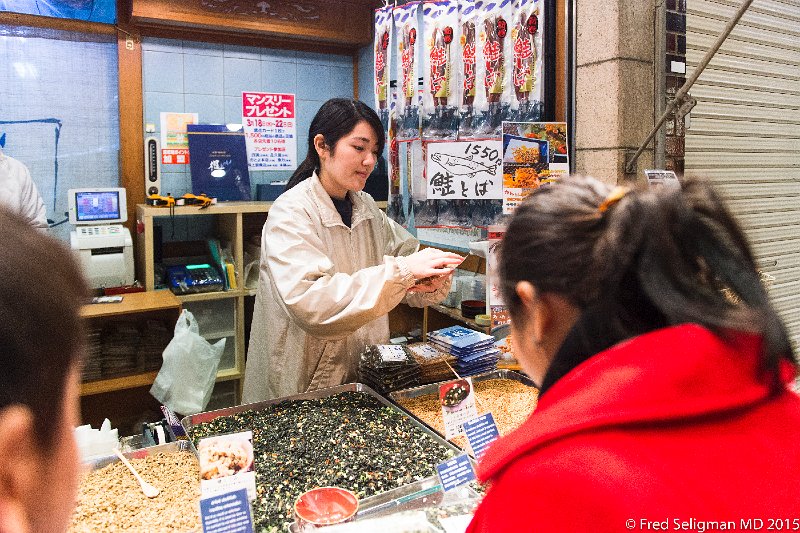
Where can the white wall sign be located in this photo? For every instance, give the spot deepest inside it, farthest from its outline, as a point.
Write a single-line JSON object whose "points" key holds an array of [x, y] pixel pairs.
{"points": [[462, 170]]}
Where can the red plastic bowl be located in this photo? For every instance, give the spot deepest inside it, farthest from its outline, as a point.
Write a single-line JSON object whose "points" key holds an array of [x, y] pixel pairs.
{"points": [[324, 506]]}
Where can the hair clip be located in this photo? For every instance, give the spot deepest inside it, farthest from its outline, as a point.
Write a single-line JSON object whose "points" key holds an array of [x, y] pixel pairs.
{"points": [[613, 197]]}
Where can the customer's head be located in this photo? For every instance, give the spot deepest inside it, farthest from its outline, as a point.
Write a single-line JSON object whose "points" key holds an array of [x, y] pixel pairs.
{"points": [[631, 261], [41, 341], [336, 119]]}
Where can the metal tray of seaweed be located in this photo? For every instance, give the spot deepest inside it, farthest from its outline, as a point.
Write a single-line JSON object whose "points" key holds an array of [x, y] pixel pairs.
{"points": [[433, 388], [188, 422], [341, 458]]}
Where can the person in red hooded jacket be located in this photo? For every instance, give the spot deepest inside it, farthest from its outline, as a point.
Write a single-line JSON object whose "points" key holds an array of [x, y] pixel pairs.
{"points": [[662, 364]]}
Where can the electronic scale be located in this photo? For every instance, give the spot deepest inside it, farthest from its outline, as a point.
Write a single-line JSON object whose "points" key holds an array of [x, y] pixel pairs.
{"points": [[103, 245]]}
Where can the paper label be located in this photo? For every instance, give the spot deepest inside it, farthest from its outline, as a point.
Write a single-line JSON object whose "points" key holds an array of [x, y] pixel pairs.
{"points": [[226, 513], [481, 432], [457, 399], [227, 464], [391, 353], [455, 472], [426, 351]]}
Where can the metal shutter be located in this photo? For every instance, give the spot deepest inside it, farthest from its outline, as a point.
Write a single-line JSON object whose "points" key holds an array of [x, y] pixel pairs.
{"points": [[744, 133]]}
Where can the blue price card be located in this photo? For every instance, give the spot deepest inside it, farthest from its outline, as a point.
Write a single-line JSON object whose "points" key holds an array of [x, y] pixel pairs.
{"points": [[455, 472], [481, 432], [226, 513]]}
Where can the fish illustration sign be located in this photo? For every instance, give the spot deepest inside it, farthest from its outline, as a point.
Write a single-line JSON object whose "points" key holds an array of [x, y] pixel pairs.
{"points": [[464, 170]]}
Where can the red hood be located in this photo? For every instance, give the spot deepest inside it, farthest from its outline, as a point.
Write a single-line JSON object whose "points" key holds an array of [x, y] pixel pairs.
{"points": [[635, 382]]}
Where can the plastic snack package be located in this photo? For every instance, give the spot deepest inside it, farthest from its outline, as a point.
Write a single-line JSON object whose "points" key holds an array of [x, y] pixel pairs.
{"points": [[406, 25], [439, 102], [493, 36], [381, 60], [470, 70], [526, 72]]}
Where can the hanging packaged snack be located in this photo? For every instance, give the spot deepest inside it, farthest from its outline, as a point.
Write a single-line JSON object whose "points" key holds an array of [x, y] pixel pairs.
{"points": [[406, 25], [397, 208], [526, 75], [381, 57], [440, 118], [497, 54], [426, 212], [470, 70]]}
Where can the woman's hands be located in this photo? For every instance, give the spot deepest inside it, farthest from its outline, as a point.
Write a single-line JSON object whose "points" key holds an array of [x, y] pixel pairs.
{"points": [[431, 268]]}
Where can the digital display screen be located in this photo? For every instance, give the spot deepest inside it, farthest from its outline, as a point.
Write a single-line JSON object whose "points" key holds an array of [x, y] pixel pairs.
{"points": [[96, 206]]}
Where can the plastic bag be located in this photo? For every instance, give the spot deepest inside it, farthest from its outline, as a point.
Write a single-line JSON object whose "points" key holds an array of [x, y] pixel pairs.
{"points": [[189, 370]]}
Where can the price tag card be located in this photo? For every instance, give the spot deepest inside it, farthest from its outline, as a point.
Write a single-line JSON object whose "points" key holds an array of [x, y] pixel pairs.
{"points": [[455, 472], [226, 464], [481, 432], [392, 353], [226, 513], [457, 399]]}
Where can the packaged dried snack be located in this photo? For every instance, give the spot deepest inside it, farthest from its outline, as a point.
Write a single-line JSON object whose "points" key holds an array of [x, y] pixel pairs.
{"points": [[408, 103], [493, 37], [382, 54], [526, 76], [440, 21], [470, 70]]}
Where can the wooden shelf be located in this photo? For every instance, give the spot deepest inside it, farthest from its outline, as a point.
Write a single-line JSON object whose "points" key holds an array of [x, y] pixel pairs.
{"points": [[120, 383], [222, 208], [456, 315], [134, 302], [218, 295]]}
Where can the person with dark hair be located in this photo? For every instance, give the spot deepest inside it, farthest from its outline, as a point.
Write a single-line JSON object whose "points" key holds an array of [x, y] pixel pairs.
{"points": [[41, 344], [333, 264], [663, 400]]}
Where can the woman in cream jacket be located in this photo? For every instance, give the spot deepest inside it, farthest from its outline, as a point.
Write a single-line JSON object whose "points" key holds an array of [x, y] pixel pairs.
{"points": [[332, 264]]}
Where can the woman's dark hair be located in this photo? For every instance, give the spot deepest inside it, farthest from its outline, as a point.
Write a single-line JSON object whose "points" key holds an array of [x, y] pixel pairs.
{"points": [[658, 257], [336, 118], [41, 333]]}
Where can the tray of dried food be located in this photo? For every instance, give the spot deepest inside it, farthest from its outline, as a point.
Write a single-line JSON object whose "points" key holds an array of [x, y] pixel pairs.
{"points": [[347, 436], [110, 499], [510, 396]]}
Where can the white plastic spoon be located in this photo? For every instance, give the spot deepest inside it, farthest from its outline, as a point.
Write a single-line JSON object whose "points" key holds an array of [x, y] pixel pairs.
{"points": [[149, 490]]}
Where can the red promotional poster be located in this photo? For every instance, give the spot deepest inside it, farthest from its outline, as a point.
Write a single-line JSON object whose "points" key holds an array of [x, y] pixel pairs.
{"points": [[270, 126]]}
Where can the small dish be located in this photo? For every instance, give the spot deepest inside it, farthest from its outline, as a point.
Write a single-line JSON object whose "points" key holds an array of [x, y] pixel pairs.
{"points": [[324, 506]]}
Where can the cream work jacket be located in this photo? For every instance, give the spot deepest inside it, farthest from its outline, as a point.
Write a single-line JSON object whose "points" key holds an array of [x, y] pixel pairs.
{"points": [[18, 192], [324, 291]]}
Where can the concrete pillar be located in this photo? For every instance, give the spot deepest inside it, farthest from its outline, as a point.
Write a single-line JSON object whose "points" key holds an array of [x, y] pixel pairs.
{"points": [[613, 86]]}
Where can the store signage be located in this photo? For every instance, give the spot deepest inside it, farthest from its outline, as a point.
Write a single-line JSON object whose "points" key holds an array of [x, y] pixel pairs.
{"points": [[481, 432], [534, 154], [174, 137], [662, 178], [457, 399], [455, 472], [464, 170], [227, 464], [270, 126], [226, 513]]}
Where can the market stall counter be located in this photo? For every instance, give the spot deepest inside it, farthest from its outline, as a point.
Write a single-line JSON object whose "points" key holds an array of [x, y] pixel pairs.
{"points": [[346, 436]]}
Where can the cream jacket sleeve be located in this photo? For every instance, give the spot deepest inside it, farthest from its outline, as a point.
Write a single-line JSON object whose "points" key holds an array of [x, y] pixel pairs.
{"points": [[400, 243], [320, 297]]}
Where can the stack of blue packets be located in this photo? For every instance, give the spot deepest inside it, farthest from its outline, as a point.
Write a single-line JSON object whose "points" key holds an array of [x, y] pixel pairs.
{"points": [[474, 351]]}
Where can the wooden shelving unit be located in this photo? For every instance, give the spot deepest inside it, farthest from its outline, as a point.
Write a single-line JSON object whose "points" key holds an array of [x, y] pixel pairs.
{"points": [[134, 306], [232, 223]]}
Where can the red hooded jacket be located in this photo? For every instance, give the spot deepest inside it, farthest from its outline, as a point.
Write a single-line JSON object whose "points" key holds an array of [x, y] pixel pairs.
{"points": [[669, 431]]}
